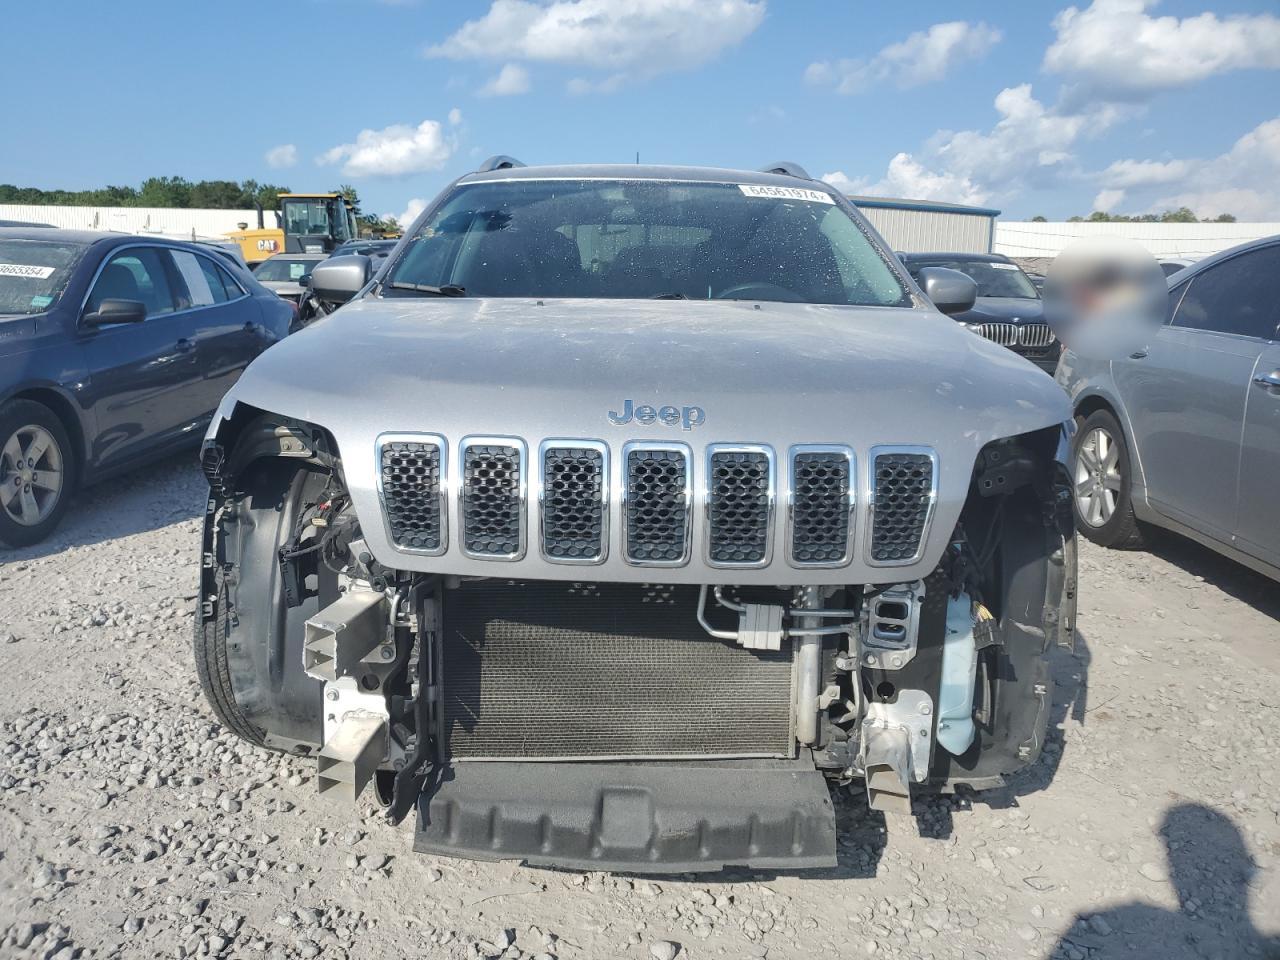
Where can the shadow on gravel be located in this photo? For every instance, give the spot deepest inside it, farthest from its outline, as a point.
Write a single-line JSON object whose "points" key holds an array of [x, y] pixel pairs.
{"points": [[1211, 869], [149, 498], [1233, 579]]}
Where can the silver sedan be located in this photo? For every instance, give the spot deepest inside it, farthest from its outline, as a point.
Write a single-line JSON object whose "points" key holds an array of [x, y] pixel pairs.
{"points": [[1185, 433]]}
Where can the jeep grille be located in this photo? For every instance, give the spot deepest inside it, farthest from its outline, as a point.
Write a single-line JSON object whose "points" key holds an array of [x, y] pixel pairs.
{"points": [[822, 498], [411, 493], [656, 504], [739, 505], [493, 495], [574, 504], [903, 490], [738, 491]]}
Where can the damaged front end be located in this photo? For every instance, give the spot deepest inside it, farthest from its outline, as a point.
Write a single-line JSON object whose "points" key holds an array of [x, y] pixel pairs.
{"points": [[625, 725]]}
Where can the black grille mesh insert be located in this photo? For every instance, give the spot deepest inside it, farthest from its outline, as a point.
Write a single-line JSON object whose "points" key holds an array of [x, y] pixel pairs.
{"points": [[545, 669], [657, 502], [739, 506], [903, 482], [491, 502], [573, 503], [820, 508], [411, 493]]}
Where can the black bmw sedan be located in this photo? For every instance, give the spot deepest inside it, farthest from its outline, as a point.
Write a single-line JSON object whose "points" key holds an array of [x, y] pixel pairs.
{"points": [[1008, 309], [114, 350]]}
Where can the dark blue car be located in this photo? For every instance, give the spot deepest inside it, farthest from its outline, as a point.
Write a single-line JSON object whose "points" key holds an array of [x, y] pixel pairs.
{"points": [[114, 350]]}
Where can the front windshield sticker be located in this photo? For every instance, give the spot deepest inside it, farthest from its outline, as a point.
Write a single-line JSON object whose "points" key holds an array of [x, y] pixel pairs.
{"points": [[786, 193], [41, 301], [25, 270], [1004, 266], [296, 270]]}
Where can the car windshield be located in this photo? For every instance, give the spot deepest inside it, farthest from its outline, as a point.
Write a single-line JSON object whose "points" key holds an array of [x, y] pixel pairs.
{"points": [[284, 269], [33, 273], [645, 239], [994, 279]]}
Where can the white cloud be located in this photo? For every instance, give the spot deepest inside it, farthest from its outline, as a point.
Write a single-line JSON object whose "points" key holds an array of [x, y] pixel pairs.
{"points": [[410, 214], [1244, 181], [1029, 145], [455, 117], [1115, 49], [393, 151], [285, 155], [511, 80], [639, 38], [1141, 173], [923, 57], [907, 177], [1108, 200]]}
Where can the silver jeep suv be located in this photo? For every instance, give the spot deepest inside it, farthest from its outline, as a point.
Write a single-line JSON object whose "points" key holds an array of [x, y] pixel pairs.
{"points": [[623, 509]]}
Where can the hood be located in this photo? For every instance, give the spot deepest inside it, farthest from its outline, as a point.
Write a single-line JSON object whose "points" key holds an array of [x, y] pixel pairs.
{"points": [[773, 373], [1004, 310]]}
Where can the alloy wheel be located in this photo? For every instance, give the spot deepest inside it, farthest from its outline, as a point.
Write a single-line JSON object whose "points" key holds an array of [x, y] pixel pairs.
{"points": [[1097, 477], [31, 475]]}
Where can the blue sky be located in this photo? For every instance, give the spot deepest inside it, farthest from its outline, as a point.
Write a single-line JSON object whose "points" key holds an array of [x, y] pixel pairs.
{"points": [[1034, 108]]}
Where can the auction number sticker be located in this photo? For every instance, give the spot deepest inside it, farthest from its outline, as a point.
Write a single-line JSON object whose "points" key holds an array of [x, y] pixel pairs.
{"points": [[786, 193], [25, 270]]}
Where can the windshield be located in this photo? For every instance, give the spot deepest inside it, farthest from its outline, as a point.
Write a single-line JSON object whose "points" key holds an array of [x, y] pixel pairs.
{"points": [[645, 239], [320, 217], [994, 279], [285, 270], [33, 273]]}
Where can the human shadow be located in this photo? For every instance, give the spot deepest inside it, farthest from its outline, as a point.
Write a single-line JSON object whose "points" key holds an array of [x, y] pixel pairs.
{"points": [[1211, 869]]}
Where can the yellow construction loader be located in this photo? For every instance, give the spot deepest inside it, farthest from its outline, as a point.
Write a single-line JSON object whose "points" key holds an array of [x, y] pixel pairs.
{"points": [[305, 223]]}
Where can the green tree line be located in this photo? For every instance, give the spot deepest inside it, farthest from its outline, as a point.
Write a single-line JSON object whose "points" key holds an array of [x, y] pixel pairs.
{"points": [[1181, 215], [156, 192]]}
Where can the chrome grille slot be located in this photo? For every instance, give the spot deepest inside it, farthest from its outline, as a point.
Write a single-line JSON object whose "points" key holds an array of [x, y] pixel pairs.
{"points": [[492, 498], [574, 501], [822, 500], [657, 502], [1036, 335], [739, 496], [904, 489], [410, 483], [1005, 334]]}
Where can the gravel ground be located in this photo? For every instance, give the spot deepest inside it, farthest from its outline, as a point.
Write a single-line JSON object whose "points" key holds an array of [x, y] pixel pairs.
{"points": [[131, 824]]}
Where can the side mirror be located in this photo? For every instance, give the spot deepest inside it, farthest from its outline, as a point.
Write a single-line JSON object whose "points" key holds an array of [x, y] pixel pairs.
{"points": [[950, 290], [338, 279], [117, 311], [303, 281]]}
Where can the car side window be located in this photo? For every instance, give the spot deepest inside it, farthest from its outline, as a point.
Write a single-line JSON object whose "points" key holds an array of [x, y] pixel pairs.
{"points": [[204, 286], [137, 273], [1240, 296], [229, 283]]}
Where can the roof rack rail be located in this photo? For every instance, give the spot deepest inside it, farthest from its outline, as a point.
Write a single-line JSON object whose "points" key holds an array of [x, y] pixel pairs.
{"points": [[499, 162], [787, 169]]}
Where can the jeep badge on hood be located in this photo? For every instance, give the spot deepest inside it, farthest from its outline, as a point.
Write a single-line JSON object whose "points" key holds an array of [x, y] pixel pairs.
{"points": [[686, 417]]}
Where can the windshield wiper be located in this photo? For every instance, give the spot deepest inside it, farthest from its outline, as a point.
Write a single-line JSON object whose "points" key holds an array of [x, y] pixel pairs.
{"points": [[444, 290], [669, 296]]}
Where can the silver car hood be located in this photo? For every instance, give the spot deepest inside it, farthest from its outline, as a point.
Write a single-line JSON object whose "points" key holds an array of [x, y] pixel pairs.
{"points": [[769, 373]]}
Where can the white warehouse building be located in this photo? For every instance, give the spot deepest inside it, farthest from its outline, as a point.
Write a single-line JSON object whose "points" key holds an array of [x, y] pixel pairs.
{"points": [[923, 226]]}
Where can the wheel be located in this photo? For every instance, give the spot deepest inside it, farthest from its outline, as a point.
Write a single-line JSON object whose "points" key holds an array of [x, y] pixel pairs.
{"points": [[1102, 479], [247, 641], [37, 472]]}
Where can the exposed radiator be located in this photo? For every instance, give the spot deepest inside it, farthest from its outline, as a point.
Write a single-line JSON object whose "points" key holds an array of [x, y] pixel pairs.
{"points": [[542, 670]]}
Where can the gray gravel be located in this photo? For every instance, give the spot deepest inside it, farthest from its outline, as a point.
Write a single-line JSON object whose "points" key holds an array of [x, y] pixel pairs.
{"points": [[131, 824]]}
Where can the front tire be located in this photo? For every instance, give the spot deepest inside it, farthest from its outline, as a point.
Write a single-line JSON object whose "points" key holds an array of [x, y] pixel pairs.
{"points": [[1102, 483], [37, 472], [248, 641]]}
